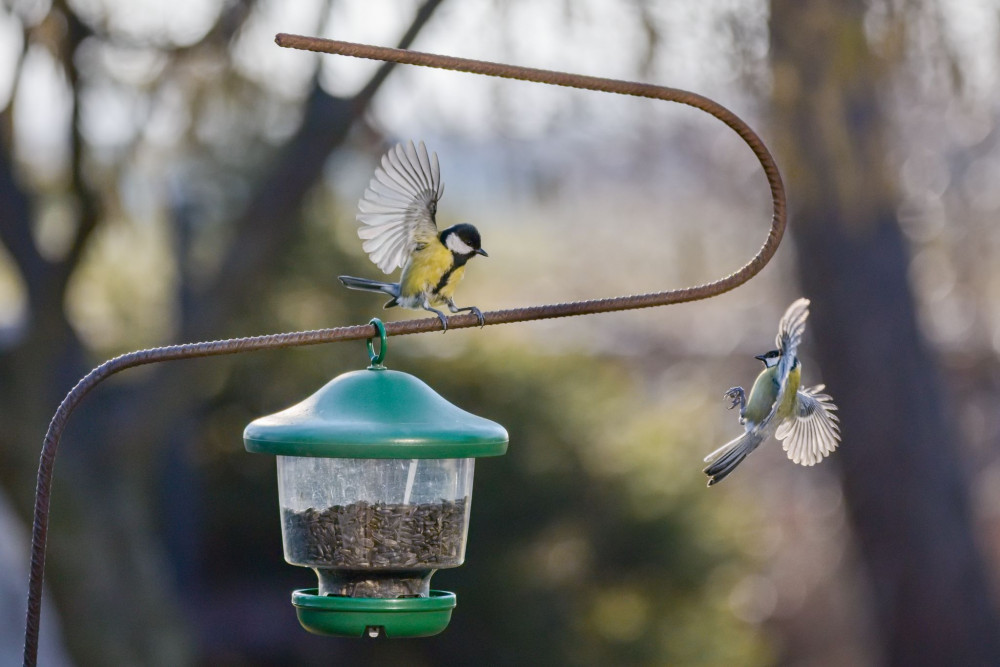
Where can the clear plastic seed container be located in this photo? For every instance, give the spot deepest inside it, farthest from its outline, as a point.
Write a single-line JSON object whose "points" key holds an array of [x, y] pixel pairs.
{"points": [[375, 484], [376, 528]]}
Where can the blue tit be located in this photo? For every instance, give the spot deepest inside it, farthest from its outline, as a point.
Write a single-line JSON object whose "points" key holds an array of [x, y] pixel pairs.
{"points": [[802, 419], [398, 226]]}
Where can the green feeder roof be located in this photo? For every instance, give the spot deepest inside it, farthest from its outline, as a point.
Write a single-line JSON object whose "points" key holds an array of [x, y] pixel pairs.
{"points": [[376, 414]]}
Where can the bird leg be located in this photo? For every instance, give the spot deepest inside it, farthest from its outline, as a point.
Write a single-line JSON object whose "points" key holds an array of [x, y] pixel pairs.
{"points": [[471, 309], [738, 398], [444, 320]]}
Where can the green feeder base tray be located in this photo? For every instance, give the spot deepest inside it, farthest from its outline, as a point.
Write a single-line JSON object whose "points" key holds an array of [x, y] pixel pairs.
{"points": [[352, 617]]}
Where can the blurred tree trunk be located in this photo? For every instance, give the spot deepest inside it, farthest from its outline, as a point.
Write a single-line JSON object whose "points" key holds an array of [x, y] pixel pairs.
{"points": [[106, 564], [903, 482]]}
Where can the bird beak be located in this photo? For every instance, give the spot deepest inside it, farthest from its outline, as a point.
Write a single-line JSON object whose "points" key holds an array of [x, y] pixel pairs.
{"points": [[761, 357], [482, 252]]}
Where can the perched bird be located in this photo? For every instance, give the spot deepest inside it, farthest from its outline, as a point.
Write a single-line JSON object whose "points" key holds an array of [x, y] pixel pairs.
{"points": [[397, 216], [803, 419]]}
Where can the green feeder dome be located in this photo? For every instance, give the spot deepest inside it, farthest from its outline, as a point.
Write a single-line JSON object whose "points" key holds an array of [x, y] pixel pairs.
{"points": [[375, 487], [376, 414]]}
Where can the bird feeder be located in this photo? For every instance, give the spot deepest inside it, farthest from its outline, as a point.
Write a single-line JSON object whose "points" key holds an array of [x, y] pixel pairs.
{"points": [[375, 487]]}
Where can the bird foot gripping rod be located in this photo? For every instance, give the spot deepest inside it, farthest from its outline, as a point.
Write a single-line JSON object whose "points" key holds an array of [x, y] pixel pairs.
{"points": [[366, 331]]}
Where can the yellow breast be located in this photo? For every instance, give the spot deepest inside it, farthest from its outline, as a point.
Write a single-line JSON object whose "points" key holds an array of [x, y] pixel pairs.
{"points": [[448, 290], [788, 404], [424, 272]]}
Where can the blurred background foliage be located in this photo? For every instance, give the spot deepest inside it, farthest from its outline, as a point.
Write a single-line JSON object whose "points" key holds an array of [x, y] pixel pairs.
{"points": [[168, 174]]}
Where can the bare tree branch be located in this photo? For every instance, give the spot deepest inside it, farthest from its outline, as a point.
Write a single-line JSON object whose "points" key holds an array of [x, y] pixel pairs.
{"points": [[88, 213], [271, 217], [15, 221], [228, 23], [15, 203]]}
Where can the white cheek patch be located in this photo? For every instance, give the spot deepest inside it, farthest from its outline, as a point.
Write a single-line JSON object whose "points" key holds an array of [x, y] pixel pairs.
{"points": [[458, 246]]}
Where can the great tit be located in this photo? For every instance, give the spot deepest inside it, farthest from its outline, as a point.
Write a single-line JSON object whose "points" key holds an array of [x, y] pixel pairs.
{"points": [[803, 419], [397, 216]]}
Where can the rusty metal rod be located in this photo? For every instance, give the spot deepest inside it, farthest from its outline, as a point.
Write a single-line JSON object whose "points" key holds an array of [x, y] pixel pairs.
{"points": [[237, 345], [598, 84]]}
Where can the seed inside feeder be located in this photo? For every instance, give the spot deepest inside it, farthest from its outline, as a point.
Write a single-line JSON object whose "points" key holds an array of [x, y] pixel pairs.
{"points": [[376, 549], [375, 486]]}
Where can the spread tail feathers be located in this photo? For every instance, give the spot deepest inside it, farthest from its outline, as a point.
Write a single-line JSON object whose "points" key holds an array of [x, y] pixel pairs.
{"points": [[392, 289], [725, 459]]}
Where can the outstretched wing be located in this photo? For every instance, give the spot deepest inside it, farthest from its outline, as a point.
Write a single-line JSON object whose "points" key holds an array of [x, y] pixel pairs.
{"points": [[813, 431], [397, 210], [790, 330]]}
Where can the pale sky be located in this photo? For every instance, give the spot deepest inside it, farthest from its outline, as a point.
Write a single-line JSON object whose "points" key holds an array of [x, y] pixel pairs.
{"points": [[461, 115]]}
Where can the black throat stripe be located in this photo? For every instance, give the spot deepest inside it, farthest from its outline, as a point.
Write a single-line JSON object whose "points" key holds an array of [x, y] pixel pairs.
{"points": [[456, 262]]}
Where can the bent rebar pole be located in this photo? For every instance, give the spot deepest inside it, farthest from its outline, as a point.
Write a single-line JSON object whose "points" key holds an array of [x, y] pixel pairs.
{"points": [[50, 444]]}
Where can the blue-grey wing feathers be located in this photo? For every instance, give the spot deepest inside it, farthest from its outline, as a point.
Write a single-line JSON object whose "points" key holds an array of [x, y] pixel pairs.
{"points": [[790, 330]]}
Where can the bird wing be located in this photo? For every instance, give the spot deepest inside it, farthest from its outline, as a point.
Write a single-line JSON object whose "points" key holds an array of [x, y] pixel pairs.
{"points": [[397, 210], [790, 330], [812, 431]]}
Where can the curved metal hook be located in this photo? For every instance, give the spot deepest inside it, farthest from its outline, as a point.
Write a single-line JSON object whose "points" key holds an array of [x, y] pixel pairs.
{"points": [[50, 444], [647, 90]]}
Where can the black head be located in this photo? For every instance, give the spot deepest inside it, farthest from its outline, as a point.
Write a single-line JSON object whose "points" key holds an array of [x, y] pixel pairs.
{"points": [[770, 358], [463, 240]]}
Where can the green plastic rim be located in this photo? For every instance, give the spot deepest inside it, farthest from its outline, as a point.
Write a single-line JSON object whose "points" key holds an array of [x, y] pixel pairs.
{"points": [[338, 616], [376, 414]]}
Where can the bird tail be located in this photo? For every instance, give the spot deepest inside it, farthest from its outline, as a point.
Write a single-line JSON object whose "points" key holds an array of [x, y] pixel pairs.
{"points": [[392, 289], [725, 459]]}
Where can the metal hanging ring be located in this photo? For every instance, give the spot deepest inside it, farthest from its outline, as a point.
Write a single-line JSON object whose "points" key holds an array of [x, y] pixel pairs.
{"points": [[377, 359]]}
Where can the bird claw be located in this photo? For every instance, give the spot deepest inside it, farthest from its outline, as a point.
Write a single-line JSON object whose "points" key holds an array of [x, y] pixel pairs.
{"points": [[469, 309], [738, 398], [440, 316]]}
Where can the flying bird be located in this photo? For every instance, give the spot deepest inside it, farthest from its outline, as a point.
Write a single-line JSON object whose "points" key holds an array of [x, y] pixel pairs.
{"points": [[802, 419], [399, 229]]}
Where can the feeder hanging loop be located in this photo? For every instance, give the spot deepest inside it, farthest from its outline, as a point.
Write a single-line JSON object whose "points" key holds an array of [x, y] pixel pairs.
{"points": [[377, 359]]}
